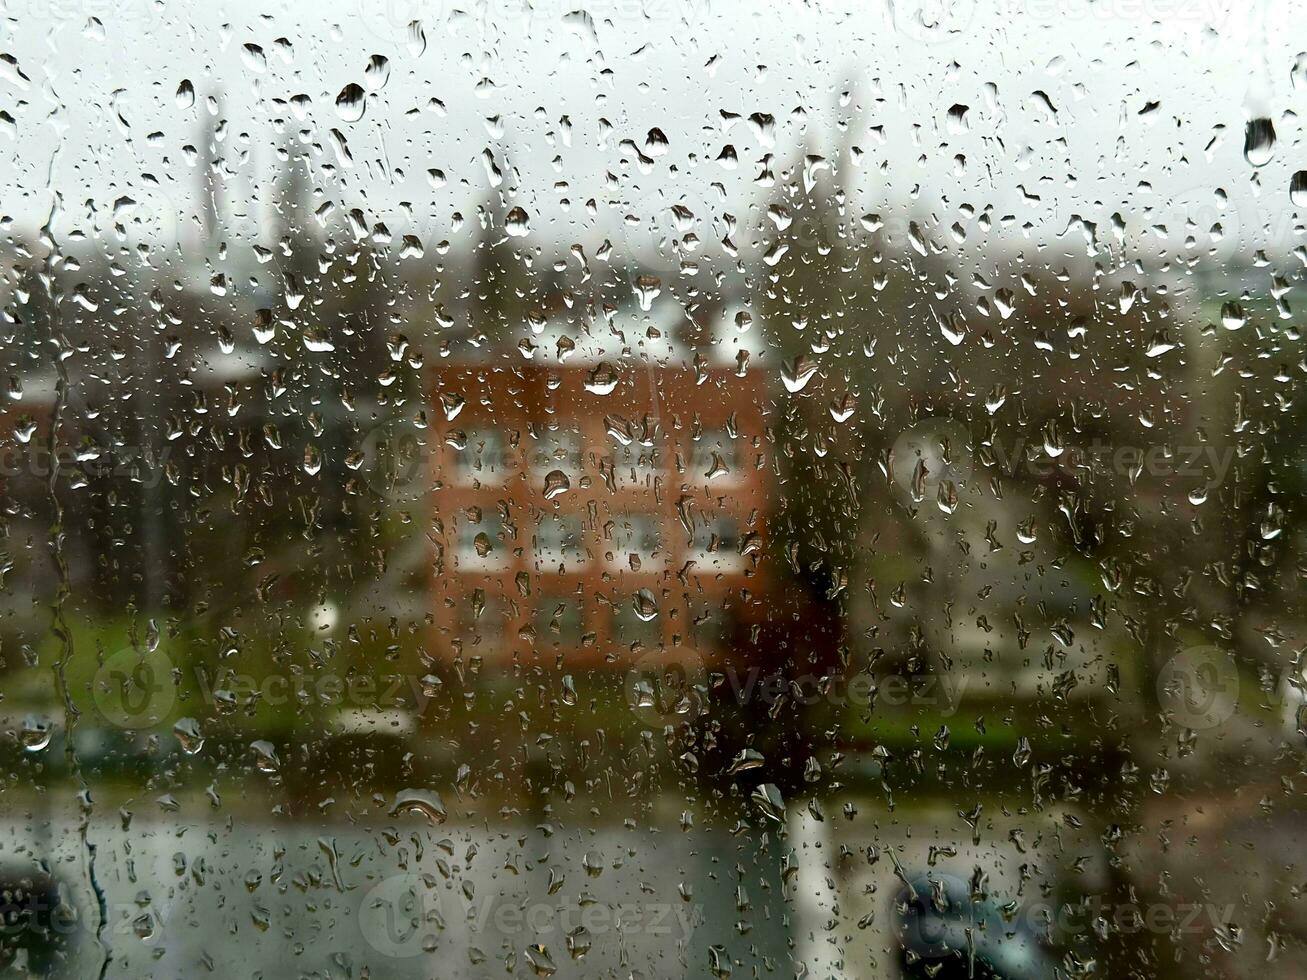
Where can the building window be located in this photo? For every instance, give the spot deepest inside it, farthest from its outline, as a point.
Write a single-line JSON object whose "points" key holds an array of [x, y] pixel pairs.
{"points": [[637, 465], [559, 621], [635, 535], [479, 618], [558, 449], [629, 630], [717, 542], [483, 544], [558, 542], [713, 456], [483, 458]]}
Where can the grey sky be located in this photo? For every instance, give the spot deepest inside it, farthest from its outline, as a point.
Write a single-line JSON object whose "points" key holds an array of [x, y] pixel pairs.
{"points": [[100, 92]]}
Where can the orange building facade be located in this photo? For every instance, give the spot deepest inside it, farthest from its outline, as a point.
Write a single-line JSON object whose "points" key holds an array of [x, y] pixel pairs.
{"points": [[596, 513]]}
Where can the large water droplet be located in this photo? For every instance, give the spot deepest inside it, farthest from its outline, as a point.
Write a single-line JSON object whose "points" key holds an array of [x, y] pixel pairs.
{"points": [[798, 372], [556, 484], [377, 72], [1298, 189], [602, 380], [188, 735], [351, 102], [1259, 141], [517, 223], [421, 801]]}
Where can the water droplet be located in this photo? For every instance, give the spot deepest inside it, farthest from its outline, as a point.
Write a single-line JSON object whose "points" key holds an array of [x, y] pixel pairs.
{"points": [[254, 58], [798, 372], [517, 223], [745, 760], [556, 484], [769, 800], [1298, 189], [537, 954], [188, 735], [265, 756], [957, 119], [647, 289], [351, 102], [427, 803], [185, 94], [645, 605], [377, 73], [1258, 141], [36, 734], [601, 380]]}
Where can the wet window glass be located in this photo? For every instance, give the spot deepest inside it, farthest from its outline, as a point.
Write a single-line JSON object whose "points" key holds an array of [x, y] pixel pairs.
{"points": [[653, 489]]}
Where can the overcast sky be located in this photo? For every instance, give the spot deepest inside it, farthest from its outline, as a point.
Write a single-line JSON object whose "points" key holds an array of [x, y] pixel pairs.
{"points": [[1073, 108]]}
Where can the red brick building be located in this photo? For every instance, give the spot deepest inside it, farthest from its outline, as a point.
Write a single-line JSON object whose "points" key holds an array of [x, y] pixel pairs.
{"points": [[599, 511]]}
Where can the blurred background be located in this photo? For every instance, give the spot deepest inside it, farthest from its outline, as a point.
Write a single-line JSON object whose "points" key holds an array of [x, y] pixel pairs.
{"points": [[652, 489]]}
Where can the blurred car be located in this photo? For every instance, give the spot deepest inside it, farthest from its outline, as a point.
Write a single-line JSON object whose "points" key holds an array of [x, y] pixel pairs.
{"points": [[945, 934], [35, 922]]}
